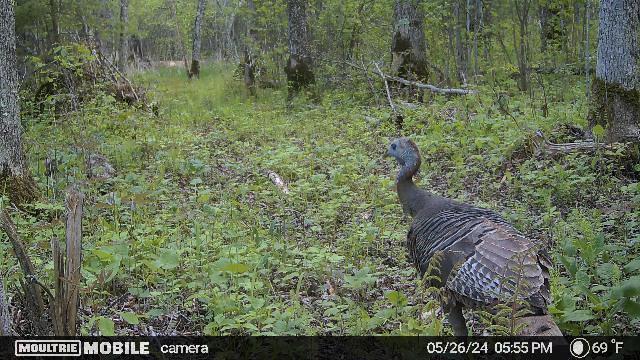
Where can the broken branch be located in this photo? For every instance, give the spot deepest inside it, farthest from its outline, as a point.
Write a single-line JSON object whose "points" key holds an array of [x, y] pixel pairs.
{"points": [[278, 182], [32, 290]]}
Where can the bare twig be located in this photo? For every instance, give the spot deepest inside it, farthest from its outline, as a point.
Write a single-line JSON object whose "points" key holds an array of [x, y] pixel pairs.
{"points": [[386, 86]]}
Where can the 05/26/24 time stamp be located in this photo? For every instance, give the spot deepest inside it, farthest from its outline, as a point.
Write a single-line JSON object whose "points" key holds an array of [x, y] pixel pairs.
{"points": [[484, 347], [577, 348]]}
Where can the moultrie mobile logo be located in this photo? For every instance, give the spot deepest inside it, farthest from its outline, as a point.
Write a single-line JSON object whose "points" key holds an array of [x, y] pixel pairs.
{"points": [[47, 348], [78, 348]]}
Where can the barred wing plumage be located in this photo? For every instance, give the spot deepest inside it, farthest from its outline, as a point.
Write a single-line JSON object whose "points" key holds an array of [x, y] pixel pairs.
{"points": [[484, 259]]}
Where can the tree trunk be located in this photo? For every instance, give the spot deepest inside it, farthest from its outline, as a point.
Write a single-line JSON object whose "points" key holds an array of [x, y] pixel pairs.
{"points": [[174, 13], [249, 62], [461, 60], [55, 22], [587, 54], [299, 68], [197, 40], [616, 87], [522, 12], [124, 43], [408, 46], [551, 28], [15, 178]]}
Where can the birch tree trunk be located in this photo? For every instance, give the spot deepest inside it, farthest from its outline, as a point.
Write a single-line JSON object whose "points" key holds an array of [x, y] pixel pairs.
{"points": [[408, 46], [15, 178], [616, 87], [124, 43], [197, 40], [299, 68]]}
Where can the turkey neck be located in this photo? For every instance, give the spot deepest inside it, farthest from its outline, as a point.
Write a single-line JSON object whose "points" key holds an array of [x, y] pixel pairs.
{"points": [[411, 197]]}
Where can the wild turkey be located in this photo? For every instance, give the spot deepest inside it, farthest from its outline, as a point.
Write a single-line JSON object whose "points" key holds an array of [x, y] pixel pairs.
{"points": [[482, 259]]}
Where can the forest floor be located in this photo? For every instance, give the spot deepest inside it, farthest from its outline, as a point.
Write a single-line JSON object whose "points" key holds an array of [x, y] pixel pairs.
{"points": [[192, 236]]}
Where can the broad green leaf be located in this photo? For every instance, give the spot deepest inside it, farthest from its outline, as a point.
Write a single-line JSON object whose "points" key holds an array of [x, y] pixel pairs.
{"points": [[396, 298], [598, 131], [633, 265], [106, 326], [632, 308], [168, 259], [154, 313], [578, 315], [629, 288], [130, 317], [235, 268]]}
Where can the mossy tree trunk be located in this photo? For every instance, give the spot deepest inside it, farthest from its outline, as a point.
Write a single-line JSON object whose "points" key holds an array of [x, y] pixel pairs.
{"points": [[616, 87], [408, 46], [15, 178], [197, 40], [299, 68]]}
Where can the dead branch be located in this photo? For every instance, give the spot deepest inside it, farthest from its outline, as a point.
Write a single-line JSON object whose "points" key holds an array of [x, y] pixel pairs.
{"points": [[115, 73], [278, 182], [32, 290], [57, 304], [432, 88], [69, 297]]}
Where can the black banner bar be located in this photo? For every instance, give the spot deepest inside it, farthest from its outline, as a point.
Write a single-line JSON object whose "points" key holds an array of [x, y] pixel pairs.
{"points": [[323, 347]]}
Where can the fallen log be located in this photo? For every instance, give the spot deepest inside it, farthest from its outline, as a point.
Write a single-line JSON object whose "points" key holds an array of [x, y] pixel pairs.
{"points": [[541, 146]]}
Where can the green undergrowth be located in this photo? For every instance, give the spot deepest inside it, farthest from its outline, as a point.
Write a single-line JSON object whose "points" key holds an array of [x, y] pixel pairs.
{"points": [[192, 236]]}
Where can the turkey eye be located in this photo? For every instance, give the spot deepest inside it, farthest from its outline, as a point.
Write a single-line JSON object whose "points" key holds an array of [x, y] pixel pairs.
{"points": [[393, 146]]}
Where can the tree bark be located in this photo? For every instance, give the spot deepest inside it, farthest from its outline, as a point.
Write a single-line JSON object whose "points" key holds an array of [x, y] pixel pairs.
{"points": [[551, 28], [197, 40], [616, 86], [461, 60], [522, 12], [55, 22], [249, 61], [299, 68], [15, 178], [408, 46], [124, 43], [174, 14]]}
